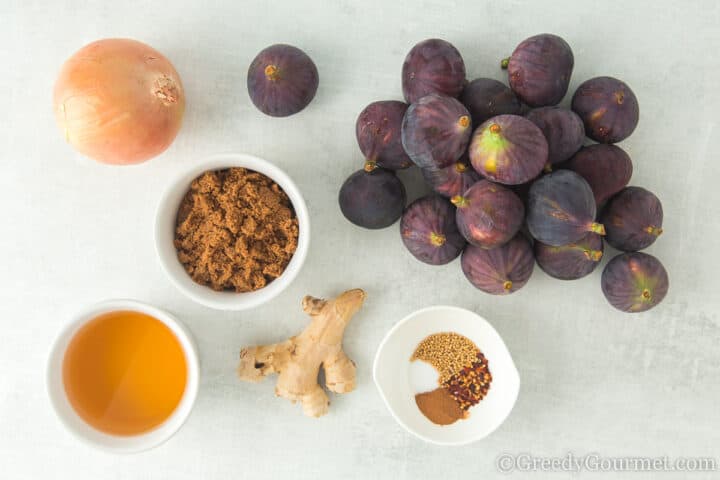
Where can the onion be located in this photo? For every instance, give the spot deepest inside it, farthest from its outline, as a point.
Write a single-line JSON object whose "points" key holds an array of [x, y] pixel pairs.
{"points": [[119, 101]]}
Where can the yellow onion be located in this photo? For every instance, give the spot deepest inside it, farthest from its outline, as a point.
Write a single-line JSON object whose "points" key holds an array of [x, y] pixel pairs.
{"points": [[119, 101]]}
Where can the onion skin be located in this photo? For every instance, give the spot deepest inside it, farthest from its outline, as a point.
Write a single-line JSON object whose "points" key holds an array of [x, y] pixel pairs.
{"points": [[119, 101]]}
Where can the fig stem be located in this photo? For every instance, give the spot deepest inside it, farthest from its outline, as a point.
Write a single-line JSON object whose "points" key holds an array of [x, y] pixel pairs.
{"points": [[598, 228], [507, 285], [460, 167], [548, 168], [437, 239], [464, 121], [594, 255], [495, 128], [504, 63], [370, 165], [653, 230], [271, 72], [459, 201], [646, 294]]}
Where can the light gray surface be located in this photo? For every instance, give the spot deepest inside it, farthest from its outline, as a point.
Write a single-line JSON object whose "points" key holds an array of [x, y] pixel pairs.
{"points": [[593, 380]]}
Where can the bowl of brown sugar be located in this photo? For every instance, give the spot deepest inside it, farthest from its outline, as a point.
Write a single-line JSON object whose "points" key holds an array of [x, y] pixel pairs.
{"points": [[233, 232]]}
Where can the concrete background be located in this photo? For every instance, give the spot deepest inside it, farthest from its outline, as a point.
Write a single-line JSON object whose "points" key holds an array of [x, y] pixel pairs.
{"points": [[593, 379]]}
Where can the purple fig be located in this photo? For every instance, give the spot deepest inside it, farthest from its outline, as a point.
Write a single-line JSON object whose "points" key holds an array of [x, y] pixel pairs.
{"points": [[563, 130], [428, 230], [633, 219], [561, 209], [436, 131], [486, 98], [608, 108], [606, 168], [372, 198], [508, 149], [634, 282], [488, 215], [539, 70], [432, 66], [282, 80], [378, 133], [501, 270], [452, 180], [572, 261]]}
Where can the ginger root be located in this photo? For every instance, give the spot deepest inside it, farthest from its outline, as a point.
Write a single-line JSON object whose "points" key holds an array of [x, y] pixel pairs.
{"points": [[297, 361]]}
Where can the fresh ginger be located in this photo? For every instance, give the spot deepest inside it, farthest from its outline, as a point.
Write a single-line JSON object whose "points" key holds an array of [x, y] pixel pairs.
{"points": [[297, 361]]}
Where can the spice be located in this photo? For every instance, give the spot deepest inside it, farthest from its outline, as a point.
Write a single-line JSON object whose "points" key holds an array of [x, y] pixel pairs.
{"points": [[235, 230], [464, 377], [439, 406]]}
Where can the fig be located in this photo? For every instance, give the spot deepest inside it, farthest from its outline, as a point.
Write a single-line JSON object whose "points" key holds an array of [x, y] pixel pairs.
{"points": [[378, 134], [539, 70], [432, 66], [608, 108], [508, 149], [436, 131], [634, 282], [372, 197], [572, 261], [488, 215], [563, 130], [633, 219], [452, 180], [429, 232], [606, 168], [501, 270], [282, 80], [486, 97], [561, 209]]}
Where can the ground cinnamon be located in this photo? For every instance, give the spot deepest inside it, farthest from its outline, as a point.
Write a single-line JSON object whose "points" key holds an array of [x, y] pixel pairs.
{"points": [[439, 406], [235, 230]]}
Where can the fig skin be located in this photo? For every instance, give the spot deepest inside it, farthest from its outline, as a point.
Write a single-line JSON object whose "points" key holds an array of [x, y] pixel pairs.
{"points": [[377, 130], [429, 232], [452, 180], [432, 66], [571, 261], [508, 149], [633, 219], [540, 68], [436, 131], [486, 98], [372, 198], [563, 130], [561, 209], [499, 271], [608, 107], [282, 80], [488, 215], [606, 168], [634, 282]]}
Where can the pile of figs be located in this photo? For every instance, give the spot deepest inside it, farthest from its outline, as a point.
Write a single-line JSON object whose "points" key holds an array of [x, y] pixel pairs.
{"points": [[514, 179]]}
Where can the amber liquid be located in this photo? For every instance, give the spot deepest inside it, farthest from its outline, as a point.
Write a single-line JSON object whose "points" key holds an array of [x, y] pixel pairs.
{"points": [[124, 372]]}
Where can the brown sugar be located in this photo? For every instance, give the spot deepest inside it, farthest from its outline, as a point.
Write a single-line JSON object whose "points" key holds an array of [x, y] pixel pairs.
{"points": [[235, 230]]}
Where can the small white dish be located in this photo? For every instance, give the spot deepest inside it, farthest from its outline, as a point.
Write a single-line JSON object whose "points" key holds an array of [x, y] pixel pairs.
{"points": [[165, 234], [393, 375], [115, 443]]}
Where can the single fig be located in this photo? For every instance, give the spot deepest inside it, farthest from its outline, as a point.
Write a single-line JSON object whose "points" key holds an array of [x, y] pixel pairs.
{"points": [[572, 261], [508, 149], [561, 209], [608, 107], [488, 215], [372, 197], [539, 70], [633, 219], [563, 130], [432, 66], [282, 80], [606, 168], [501, 270], [452, 180], [378, 134], [429, 232], [486, 98], [634, 282], [436, 131]]}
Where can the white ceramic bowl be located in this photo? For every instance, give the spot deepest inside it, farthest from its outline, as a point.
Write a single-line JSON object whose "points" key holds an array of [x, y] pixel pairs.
{"points": [[392, 374], [104, 441], [165, 234]]}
